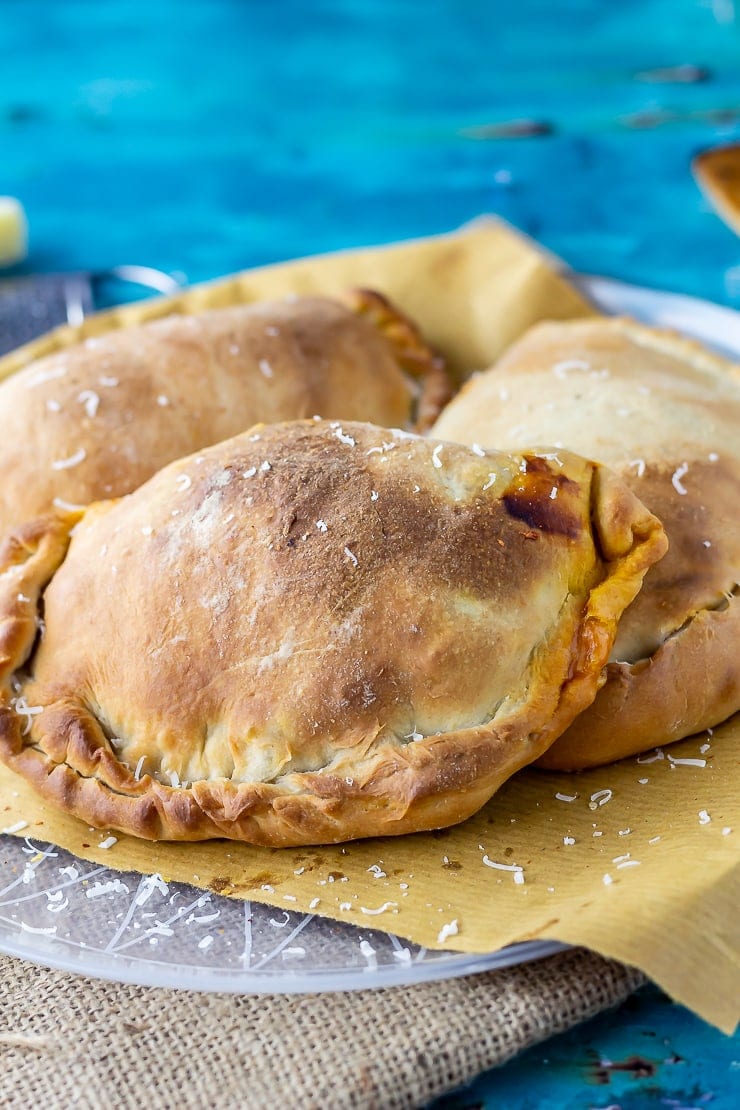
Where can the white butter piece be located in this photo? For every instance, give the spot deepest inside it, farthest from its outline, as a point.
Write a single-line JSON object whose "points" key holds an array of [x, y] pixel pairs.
{"points": [[13, 231]]}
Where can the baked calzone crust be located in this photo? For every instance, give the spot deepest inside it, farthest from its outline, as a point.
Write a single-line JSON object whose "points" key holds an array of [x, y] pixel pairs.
{"points": [[665, 414], [313, 632], [96, 420]]}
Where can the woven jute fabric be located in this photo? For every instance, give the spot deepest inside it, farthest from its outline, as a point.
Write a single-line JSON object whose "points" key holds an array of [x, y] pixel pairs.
{"points": [[68, 1041]]}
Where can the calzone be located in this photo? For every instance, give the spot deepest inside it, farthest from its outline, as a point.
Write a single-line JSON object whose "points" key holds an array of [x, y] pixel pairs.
{"points": [[664, 413], [97, 419], [312, 632]]}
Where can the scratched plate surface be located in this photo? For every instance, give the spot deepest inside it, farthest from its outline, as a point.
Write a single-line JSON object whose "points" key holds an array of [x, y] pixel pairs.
{"points": [[59, 911]]}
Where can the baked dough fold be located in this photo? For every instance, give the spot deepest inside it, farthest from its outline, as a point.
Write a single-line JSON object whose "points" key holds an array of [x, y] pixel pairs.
{"points": [[98, 419], [313, 632], [664, 413]]}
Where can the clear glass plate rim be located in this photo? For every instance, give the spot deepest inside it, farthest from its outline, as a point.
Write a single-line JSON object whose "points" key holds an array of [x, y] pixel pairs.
{"points": [[153, 973]]}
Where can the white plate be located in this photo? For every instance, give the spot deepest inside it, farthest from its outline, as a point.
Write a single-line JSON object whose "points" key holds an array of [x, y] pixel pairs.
{"points": [[58, 911], [714, 325]]}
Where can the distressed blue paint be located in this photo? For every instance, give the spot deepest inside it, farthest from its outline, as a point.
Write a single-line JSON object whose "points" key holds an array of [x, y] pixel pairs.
{"points": [[214, 134], [695, 1067], [209, 135]]}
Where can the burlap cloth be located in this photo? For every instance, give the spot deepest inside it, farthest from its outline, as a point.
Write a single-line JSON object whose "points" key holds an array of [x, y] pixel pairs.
{"points": [[69, 1041]]}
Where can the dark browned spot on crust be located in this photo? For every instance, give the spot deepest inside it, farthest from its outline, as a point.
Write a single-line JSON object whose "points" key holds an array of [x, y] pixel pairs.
{"points": [[468, 546], [537, 498]]}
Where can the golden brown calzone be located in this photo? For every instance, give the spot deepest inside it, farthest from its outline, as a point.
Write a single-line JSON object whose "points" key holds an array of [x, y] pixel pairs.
{"points": [[664, 414], [313, 632], [96, 420]]}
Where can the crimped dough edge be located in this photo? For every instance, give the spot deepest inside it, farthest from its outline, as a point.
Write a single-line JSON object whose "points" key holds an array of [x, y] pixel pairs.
{"points": [[435, 782]]}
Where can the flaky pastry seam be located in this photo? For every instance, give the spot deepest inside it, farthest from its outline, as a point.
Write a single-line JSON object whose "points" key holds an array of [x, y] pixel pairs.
{"points": [[414, 356], [475, 760]]}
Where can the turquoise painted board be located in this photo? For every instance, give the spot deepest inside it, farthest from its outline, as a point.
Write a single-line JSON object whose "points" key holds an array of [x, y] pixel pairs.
{"points": [[216, 134], [206, 136], [650, 1053]]}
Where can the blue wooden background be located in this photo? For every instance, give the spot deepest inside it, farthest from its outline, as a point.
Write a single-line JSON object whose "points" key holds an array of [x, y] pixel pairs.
{"points": [[208, 135], [204, 136]]}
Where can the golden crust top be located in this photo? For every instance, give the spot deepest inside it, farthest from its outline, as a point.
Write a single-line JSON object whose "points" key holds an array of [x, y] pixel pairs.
{"points": [[664, 413], [718, 172], [313, 632], [97, 420]]}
